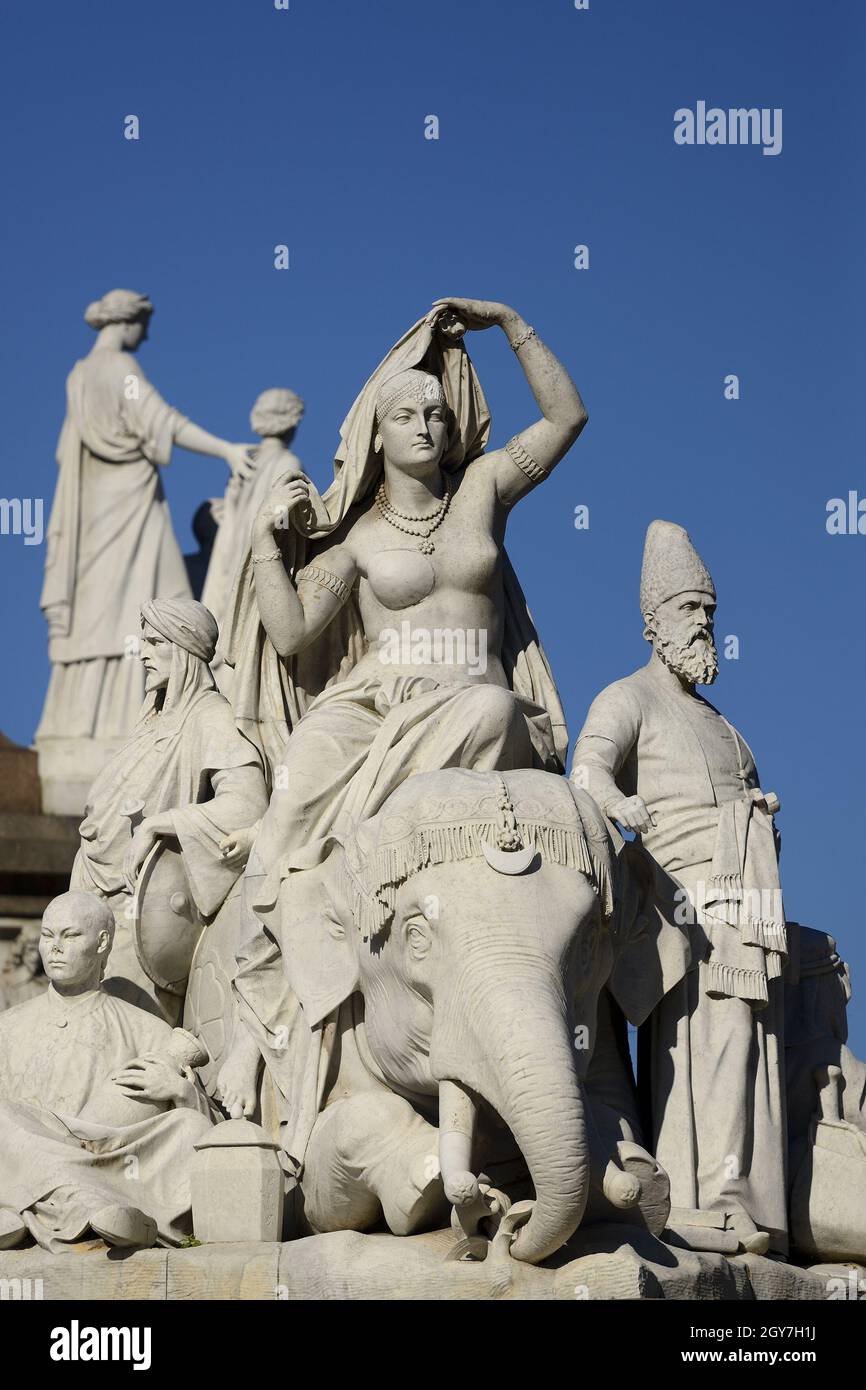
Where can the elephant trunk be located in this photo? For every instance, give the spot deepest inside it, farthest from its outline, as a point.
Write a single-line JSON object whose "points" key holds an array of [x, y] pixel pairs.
{"points": [[520, 1061]]}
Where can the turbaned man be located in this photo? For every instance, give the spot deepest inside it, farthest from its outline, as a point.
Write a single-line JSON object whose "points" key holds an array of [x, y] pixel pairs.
{"points": [[188, 772], [663, 762]]}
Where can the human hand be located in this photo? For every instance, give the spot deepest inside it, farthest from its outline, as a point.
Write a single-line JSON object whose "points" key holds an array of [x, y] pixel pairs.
{"points": [[152, 1077], [241, 459], [235, 847], [57, 618], [457, 316], [632, 814], [140, 845], [274, 513]]}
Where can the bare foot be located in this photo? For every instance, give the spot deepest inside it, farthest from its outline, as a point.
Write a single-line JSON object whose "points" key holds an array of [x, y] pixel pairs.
{"points": [[238, 1080]]}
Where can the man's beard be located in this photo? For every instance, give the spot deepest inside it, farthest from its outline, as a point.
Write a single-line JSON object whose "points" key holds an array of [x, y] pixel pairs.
{"points": [[694, 659]]}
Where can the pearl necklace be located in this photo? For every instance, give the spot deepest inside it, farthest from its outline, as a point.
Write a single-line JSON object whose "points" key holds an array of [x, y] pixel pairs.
{"points": [[421, 527]]}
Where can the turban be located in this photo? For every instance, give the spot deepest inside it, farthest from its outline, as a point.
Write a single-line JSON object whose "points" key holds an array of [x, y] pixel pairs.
{"points": [[409, 385], [671, 566], [184, 622], [276, 412], [118, 306]]}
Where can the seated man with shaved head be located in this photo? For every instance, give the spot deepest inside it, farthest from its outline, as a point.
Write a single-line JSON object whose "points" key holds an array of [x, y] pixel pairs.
{"points": [[98, 1114]]}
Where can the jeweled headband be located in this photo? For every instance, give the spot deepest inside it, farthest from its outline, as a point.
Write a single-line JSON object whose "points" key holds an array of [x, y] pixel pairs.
{"points": [[410, 385]]}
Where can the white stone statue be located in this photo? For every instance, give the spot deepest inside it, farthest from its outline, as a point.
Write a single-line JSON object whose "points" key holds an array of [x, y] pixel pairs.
{"points": [[110, 546], [663, 762], [421, 1033], [185, 776], [99, 1110], [826, 1105], [275, 418], [23, 977], [402, 945], [383, 623]]}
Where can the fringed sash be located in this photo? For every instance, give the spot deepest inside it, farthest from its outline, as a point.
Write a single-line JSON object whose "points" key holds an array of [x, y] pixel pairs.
{"points": [[743, 907]]}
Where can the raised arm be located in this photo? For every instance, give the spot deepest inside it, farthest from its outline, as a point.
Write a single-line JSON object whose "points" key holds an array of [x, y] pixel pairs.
{"points": [[159, 426], [530, 456], [294, 617]]}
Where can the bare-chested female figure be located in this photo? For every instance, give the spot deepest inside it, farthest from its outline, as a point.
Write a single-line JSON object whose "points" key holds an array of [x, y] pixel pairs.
{"points": [[420, 551]]}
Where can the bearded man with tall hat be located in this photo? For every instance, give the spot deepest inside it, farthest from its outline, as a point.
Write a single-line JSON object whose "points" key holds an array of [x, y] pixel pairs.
{"points": [[706, 975]]}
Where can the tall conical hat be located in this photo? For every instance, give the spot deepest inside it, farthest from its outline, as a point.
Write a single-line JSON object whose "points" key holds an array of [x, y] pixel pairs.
{"points": [[671, 565]]}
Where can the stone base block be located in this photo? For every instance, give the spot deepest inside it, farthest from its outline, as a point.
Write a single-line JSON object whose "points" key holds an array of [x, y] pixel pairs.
{"points": [[602, 1263]]}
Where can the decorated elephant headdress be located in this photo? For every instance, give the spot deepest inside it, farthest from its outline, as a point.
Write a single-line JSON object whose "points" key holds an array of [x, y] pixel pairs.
{"points": [[505, 819]]}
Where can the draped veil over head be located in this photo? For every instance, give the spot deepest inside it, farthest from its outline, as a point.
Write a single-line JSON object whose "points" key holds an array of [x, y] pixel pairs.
{"points": [[270, 695]]}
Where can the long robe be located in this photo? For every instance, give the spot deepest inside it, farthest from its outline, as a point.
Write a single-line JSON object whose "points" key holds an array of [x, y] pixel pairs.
{"points": [[110, 545], [241, 502], [717, 1064], [56, 1170], [192, 762]]}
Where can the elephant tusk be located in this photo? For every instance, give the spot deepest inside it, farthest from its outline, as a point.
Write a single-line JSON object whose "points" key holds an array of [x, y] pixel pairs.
{"points": [[621, 1189], [456, 1131], [477, 1208]]}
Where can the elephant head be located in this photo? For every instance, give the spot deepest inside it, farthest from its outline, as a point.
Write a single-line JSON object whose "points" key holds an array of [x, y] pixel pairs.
{"points": [[472, 913]]}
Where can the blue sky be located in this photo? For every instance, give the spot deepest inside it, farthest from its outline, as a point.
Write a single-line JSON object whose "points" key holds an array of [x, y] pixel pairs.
{"points": [[306, 127]]}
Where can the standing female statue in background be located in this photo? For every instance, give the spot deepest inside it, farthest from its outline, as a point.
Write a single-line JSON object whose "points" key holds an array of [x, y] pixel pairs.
{"points": [[111, 547]]}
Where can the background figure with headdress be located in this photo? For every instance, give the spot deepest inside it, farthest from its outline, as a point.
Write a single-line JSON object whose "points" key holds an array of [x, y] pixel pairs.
{"points": [[382, 623], [23, 977], [185, 772], [275, 418], [110, 546]]}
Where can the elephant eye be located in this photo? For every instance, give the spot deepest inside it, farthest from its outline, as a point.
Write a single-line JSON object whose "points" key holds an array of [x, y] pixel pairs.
{"points": [[418, 937]]}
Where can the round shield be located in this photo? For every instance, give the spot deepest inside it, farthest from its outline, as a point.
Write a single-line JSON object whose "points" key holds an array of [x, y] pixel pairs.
{"points": [[209, 1009], [166, 924]]}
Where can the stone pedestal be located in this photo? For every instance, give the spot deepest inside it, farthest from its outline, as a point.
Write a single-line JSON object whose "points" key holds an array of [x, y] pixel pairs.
{"points": [[237, 1185]]}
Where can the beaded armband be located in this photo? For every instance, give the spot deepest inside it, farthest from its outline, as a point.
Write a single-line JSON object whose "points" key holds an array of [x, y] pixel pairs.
{"points": [[524, 460], [524, 337], [314, 574]]}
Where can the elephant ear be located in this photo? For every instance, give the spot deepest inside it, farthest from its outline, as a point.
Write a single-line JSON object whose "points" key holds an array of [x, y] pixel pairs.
{"points": [[320, 944]]}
